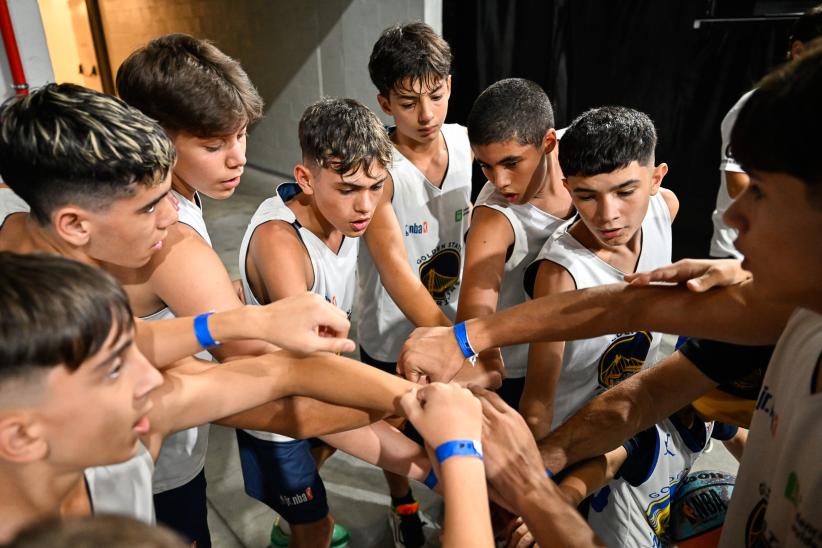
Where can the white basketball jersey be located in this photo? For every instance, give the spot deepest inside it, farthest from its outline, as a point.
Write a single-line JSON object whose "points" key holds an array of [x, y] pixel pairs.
{"points": [[183, 453], [531, 227], [434, 222], [776, 498], [335, 274], [622, 514], [191, 214], [591, 366], [123, 489], [722, 242], [10, 203]]}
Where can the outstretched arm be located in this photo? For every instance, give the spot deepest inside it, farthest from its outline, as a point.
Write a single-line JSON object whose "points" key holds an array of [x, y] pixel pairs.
{"points": [[731, 314], [306, 315], [385, 244]]}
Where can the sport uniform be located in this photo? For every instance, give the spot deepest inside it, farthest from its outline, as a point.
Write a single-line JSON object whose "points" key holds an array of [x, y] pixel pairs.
{"points": [[591, 366], [279, 470], [722, 241], [123, 489], [179, 475], [775, 500], [10, 203], [434, 222], [532, 227], [634, 509]]}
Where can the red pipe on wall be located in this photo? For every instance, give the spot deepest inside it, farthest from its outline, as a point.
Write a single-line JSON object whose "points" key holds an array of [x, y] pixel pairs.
{"points": [[20, 85]]}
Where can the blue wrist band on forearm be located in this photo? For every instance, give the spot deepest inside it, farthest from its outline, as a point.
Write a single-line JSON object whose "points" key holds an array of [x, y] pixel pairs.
{"points": [[462, 340], [459, 448], [430, 480], [202, 333], [550, 474]]}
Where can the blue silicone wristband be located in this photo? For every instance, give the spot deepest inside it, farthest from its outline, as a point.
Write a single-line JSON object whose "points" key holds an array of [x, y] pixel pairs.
{"points": [[462, 340], [430, 480], [459, 448], [549, 473], [201, 331]]}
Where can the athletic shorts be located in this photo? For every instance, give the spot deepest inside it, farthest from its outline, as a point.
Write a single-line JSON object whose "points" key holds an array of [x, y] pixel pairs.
{"points": [[283, 475], [184, 509]]}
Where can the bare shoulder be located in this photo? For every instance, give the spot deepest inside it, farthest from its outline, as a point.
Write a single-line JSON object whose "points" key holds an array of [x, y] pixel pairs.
{"points": [[671, 201], [278, 239], [490, 226], [552, 278]]}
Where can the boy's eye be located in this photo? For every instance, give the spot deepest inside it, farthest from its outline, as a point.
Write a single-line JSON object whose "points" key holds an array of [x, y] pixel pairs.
{"points": [[377, 187], [625, 193], [212, 148], [755, 191], [407, 105], [346, 191], [511, 165], [436, 97], [584, 198], [116, 367]]}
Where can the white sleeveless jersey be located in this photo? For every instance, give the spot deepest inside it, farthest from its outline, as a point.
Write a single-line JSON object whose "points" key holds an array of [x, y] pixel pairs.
{"points": [[335, 274], [531, 227], [591, 366], [434, 222], [622, 514], [123, 489], [722, 241], [776, 499], [183, 453], [10, 203], [191, 214]]}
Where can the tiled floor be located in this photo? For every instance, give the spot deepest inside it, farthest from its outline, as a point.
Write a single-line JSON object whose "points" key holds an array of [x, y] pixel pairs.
{"points": [[357, 492]]}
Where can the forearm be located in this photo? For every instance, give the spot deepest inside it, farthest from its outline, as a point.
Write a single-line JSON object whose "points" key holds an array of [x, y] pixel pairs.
{"points": [[551, 520], [383, 445], [300, 417], [732, 314], [467, 517], [343, 381], [414, 300]]}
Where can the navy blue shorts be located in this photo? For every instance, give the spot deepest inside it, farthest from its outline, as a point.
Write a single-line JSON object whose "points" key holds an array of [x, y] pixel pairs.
{"points": [[184, 509], [283, 475]]}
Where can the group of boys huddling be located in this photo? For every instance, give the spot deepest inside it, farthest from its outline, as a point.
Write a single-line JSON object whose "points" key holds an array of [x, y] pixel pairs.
{"points": [[116, 309]]}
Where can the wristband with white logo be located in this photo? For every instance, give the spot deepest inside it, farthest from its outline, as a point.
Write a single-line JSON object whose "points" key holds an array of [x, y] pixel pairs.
{"points": [[462, 340], [459, 448]]}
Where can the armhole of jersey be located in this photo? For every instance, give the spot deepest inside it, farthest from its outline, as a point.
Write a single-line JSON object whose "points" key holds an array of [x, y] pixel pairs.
{"points": [[297, 226], [529, 278], [815, 376], [191, 226], [510, 250]]}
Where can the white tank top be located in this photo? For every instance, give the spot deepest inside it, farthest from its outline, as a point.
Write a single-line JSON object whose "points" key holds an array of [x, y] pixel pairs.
{"points": [[531, 227], [183, 453], [626, 515], [776, 499], [10, 203], [335, 274], [591, 366], [123, 489], [434, 222], [722, 241]]}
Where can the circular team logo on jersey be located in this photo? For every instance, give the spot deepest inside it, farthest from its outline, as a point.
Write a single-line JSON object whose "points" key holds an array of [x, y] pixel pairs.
{"points": [[755, 527], [440, 274], [625, 356]]}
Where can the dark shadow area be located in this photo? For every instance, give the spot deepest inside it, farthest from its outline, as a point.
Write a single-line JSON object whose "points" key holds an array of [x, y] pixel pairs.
{"points": [[643, 54]]}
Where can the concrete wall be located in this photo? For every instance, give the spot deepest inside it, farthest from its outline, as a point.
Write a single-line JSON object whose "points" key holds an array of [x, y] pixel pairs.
{"points": [[294, 51], [31, 41]]}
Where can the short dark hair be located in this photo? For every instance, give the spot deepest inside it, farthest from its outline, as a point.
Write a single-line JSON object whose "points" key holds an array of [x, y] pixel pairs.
{"points": [[67, 144], [56, 311], [343, 135], [808, 26], [513, 108], [410, 51], [778, 128], [605, 139], [110, 531], [189, 85]]}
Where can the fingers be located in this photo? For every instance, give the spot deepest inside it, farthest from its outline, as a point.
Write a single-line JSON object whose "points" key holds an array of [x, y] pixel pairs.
{"points": [[411, 404], [493, 399], [335, 344], [333, 319]]}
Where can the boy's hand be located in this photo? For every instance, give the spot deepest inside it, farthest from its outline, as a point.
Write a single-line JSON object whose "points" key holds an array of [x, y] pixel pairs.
{"points": [[430, 352], [520, 536], [698, 274], [513, 464], [305, 323], [443, 412]]}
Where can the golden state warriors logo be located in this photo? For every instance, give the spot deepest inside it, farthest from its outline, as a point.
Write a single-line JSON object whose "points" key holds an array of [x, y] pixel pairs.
{"points": [[755, 526], [625, 356], [440, 274]]}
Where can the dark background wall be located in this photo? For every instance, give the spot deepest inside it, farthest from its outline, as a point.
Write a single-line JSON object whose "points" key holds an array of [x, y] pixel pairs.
{"points": [[645, 54]]}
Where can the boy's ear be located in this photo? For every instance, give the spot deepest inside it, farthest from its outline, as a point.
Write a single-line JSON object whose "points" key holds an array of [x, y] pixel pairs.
{"points": [[550, 140], [385, 104], [20, 440], [304, 178], [656, 178], [72, 225]]}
